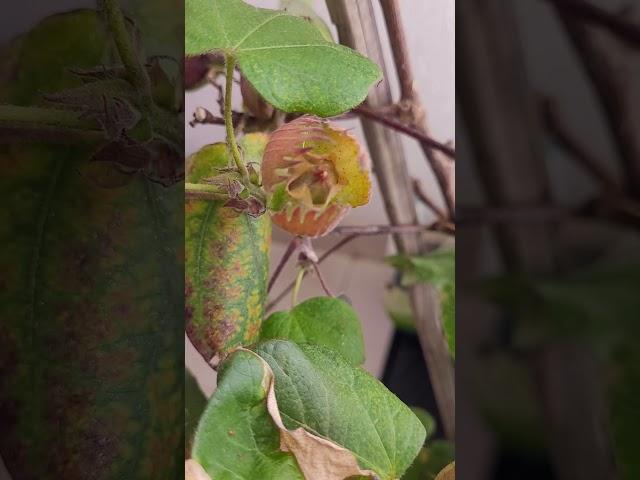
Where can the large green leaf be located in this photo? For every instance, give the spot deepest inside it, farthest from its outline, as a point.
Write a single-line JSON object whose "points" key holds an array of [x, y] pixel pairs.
{"points": [[324, 394], [91, 330], [304, 9], [226, 264], [284, 57], [325, 321], [236, 438]]}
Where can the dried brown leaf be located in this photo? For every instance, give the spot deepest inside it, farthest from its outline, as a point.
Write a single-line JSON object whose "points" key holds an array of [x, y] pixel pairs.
{"points": [[194, 471], [317, 457], [448, 472]]}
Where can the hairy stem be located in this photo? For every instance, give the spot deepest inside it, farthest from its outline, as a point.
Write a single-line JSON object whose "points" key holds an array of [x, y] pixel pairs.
{"points": [[230, 64], [14, 115], [198, 191], [130, 59], [297, 285]]}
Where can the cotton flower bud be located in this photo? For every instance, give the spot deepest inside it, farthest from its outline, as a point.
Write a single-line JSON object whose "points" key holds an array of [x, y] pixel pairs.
{"points": [[313, 173]]}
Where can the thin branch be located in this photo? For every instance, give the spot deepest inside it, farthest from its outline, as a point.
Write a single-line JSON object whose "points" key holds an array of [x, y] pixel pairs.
{"points": [[15, 115], [324, 285], [616, 24], [424, 198], [293, 245], [323, 257], [397, 39], [382, 229], [389, 121], [573, 146], [202, 116]]}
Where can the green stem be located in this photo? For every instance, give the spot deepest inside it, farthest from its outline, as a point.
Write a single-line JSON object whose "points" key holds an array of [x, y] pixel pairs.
{"points": [[230, 63], [204, 192], [297, 285], [49, 125], [18, 116], [128, 54]]}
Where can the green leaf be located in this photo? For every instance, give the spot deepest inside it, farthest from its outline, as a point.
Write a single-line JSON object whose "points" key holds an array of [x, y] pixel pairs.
{"points": [[226, 263], [91, 332], [322, 393], [304, 9], [398, 306], [430, 461], [236, 437], [284, 57], [325, 321], [194, 404], [427, 421], [438, 269]]}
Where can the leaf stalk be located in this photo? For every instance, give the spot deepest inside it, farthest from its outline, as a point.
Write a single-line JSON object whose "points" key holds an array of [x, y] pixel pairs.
{"points": [[230, 64]]}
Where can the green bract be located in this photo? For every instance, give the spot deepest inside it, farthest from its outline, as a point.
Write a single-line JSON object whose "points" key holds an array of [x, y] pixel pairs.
{"points": [[284, 57]]}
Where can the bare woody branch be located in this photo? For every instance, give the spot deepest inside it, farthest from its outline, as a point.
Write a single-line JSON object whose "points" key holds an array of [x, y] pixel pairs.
{"points": [[442, 169], [616, 24], [574, 146], [389, 121]]}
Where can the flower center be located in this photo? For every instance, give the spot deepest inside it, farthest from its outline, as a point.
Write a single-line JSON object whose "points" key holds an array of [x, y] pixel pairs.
{"points": [[312, 179]]}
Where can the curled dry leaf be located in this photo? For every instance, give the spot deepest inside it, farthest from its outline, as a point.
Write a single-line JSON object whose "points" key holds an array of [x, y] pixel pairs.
{"points": [[194, 471], [448, 472], [318, 458]]}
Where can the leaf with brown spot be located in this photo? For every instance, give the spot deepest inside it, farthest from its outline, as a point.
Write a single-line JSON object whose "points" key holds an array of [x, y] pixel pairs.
{"points": [[226, 267]]}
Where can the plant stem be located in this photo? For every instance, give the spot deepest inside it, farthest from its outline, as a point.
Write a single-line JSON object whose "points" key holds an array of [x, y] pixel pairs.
{"points": [[230, 64], [293, 245], [617, 24], [570, 142], [130, 59], [297, 285], [426, 199], [397, 39], [324, 256], [198, 191], [14, 115], [24, 124], [388, 121], [324, 285]]}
